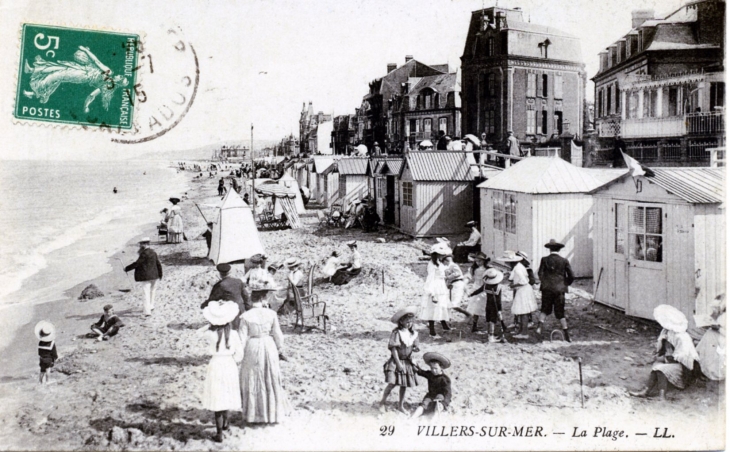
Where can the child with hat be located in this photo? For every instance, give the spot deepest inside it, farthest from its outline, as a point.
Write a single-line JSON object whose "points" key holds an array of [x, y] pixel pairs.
{"points": [[295, 278], [46, 334], [107, 326], [399, 369], [221, 390], [438, 396], [477, 301], [493, 294]]}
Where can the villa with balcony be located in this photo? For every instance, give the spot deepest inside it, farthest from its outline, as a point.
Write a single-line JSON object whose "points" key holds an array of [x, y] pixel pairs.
{"points": [[661, 88]]}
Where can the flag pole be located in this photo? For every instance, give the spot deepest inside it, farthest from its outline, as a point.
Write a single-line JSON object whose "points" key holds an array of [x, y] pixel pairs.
{"points": [[253, 175]]}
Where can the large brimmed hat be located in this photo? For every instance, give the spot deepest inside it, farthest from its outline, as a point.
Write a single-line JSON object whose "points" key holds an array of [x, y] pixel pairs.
{"points": [[292, 262], [408, 310], [220, 312], [265, 287], [441, 359], [45, 331], [493, 276], [144, 240], [442, 240], [174, 199], [471, 223], [510, 256], [441, 249], [670, 318], [471, 257], [481, 256], [553, 245], [257, 258], [352, 243]]}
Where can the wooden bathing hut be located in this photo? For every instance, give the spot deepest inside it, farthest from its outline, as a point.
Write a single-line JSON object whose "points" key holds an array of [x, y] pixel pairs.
{"points": [[661, 240], [353, 179], [326, 180], [436, 192], [383, 173], [538, 199]]}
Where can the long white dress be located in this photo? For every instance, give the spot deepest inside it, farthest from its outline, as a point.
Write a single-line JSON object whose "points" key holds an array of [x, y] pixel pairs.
{"points": [[436, 302], [175, 225], [221, 390], [524, 301], [478, 303], [262, 397]]}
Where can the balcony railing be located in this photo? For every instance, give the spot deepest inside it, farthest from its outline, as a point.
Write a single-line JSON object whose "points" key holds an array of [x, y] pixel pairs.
{"points": [[608, 127], [547, 152], [701, 123]]}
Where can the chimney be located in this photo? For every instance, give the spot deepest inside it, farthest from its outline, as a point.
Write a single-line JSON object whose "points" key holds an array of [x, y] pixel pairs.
{"points": [[409, 58], [391, 67], [639, 16]]}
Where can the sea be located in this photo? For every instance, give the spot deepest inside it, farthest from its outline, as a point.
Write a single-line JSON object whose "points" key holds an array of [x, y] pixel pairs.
{"points": [[60, 221]]}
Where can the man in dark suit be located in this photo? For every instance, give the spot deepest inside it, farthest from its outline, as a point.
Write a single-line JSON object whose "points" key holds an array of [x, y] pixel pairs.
{"points": [[555, 276], [147, 270], [230, 289]]}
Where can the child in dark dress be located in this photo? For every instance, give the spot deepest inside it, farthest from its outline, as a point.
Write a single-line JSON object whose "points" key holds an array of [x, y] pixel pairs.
{"points": [[399, 369], [438, 396], [46, 334], [493, 291]]}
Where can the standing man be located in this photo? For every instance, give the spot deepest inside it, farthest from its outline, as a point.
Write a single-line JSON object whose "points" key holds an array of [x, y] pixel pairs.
{"points": [[147, 270], [513, 146], [555, 276], [229, 289], [377, 152]]}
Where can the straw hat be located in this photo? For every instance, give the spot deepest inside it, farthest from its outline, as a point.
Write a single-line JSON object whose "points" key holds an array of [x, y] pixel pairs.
{"points": [[510, 256], [292, 262], [220, 312], [442, 240], [257, 258], [441, 248], [409, 310], [144, 240], [553, 245], [471, 257], [493, 276], [670, 318], [480, 256], [433, 356], [45, 331], [352, 243], [471, 223]]}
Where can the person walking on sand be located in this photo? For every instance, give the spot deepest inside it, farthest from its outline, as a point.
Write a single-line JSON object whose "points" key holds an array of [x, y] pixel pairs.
{"points": [[229, 289], [438, 397], [107, 326], [147, 270], [263, 399], [555, 276], [221, 187], [221, 390], [46, 334], [174, 221], [523, 301], [436, 303], [399, 369]]}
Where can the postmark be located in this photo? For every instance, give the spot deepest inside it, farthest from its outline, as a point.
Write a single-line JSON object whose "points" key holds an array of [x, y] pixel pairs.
{"points": [[77, 76]]}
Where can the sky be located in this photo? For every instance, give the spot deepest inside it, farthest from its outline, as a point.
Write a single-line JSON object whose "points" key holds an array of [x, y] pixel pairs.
{"points": [[259, 61]]}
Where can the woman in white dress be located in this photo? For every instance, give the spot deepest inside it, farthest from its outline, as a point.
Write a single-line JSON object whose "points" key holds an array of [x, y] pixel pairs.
{"points": [[221, 391], [174, 221], [262, 398], [436, 303], [523, 301]]}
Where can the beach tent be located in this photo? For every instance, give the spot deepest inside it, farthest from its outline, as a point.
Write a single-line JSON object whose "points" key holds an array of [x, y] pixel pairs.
{"points": [[289, 182], [235, 236]]}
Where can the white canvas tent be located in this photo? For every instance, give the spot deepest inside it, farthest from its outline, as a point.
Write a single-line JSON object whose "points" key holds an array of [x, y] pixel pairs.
{"points": [[289, 182], [235, 236]]}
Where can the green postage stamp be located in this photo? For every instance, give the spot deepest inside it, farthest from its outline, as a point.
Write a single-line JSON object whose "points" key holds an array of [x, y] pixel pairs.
{"points": [[77, 76]]}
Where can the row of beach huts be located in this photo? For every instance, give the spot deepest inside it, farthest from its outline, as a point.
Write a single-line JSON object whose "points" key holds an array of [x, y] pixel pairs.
{"points": [[645, 240]]}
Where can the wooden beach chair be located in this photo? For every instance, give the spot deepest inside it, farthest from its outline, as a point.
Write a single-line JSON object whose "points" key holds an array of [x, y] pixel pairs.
{"points": [[309, 308]]}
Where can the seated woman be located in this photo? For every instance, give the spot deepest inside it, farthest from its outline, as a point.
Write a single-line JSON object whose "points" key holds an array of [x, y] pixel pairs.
{"points": [[712, 347], [675, 352], [345, 273]]}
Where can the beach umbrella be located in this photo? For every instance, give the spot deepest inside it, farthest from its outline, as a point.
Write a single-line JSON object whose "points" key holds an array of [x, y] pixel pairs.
{"points": [[473, 139], [235, 236], [425, 144], [362, 149]]}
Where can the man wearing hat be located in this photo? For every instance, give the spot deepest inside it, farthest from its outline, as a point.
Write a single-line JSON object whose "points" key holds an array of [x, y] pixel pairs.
{"points": [[229, 289], [555, 276], [147, 270]]}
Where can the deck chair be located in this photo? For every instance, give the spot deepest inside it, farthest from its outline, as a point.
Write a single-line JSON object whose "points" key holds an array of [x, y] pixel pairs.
{"points": [[309, 308]]}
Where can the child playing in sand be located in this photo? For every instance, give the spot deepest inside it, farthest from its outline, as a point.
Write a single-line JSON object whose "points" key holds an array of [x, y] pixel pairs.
{"points": [[107, 326], [493, 292], [399, 369], [46, 334], [438, 396]]}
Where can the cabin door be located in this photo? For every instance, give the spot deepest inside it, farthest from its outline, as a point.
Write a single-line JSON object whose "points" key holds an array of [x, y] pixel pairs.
{"points": [[390, 200], [645, 269]]}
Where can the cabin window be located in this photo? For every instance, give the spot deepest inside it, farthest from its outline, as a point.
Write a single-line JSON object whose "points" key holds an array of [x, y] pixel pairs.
{"points": [[645, 233], [504, 212], [408, 194], [619, 246]]}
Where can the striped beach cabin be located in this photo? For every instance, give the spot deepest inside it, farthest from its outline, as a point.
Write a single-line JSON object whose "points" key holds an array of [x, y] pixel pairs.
{"points": [[353, 179], [325, 182], [436, 192], [538, 199], [661, 240]]}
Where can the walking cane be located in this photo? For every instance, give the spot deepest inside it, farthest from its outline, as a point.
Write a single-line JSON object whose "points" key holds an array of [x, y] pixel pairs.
{"points": [[127, 274], [580, 371]]}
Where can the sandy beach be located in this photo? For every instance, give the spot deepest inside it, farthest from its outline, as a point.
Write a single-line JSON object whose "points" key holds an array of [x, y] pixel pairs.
{"points": [[141, 390]]}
